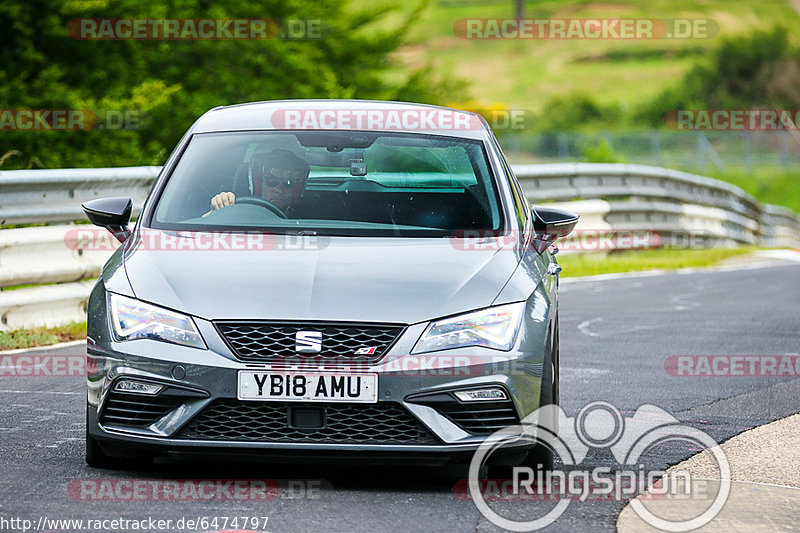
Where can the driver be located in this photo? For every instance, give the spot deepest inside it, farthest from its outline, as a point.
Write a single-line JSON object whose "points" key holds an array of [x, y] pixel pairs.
{"points": [[278, 177]]}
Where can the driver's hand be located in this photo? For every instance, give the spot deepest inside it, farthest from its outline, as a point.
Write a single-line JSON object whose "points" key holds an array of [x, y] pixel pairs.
{"points": [[223, 199]]}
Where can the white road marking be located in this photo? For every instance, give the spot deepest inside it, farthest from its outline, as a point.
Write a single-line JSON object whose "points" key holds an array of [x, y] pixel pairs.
{"points": [[583, 327], [680, 303], [788, 255], [577, 370], [38, 392], [48, 347]]}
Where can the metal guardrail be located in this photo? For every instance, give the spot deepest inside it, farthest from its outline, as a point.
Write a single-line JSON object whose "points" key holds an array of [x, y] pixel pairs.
{"points": [[668, 201], [610, 197], [34, 196]]}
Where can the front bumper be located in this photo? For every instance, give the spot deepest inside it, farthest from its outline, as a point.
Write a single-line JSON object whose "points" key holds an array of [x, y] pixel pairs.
{"points": [[203, 377]]}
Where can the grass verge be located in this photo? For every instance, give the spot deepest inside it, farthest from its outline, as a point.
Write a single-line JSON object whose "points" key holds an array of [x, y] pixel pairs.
{"points": [[769, 186], [29, 338], [575, 265]]}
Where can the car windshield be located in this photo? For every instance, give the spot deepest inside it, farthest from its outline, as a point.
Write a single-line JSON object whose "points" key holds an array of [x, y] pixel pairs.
{"points": [[335, 183]]}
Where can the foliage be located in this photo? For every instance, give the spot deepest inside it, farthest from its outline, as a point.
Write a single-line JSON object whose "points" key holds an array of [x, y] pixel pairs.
{"points": [[42, 336], [769, 186], [591, 264], [575, 111], [169, 83], [760, 70], [600, 151]]}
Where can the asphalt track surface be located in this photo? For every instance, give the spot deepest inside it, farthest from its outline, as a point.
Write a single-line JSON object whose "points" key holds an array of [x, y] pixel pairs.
{"points": [[615, 337]]}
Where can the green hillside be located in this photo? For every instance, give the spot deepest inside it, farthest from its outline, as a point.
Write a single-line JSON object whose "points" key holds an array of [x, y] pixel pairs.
{"points": [[524, 74]]}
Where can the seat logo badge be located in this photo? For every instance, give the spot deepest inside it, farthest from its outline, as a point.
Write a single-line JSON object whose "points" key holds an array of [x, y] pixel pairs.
{"points": [[308, 342]]}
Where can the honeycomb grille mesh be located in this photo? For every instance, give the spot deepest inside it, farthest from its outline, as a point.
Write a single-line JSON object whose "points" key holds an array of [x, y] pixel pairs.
{"points": [[235, 420], [266, 341]]}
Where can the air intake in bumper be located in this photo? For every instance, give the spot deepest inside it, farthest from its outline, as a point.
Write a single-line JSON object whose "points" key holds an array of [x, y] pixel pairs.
{"points": [[477, 417], [136, 410], [129, 409], [334, 423]]}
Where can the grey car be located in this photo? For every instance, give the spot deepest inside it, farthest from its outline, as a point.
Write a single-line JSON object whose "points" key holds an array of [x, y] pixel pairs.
{"points": [[328, 280]]}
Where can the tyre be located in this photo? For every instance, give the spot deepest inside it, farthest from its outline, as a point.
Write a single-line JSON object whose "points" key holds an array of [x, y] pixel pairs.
{"points": [[540, 457], [96, 457], [94, 454]]}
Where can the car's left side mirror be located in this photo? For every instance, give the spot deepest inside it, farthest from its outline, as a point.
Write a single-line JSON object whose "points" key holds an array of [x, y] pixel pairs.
{"points": [[110, 213], [550, 223]]}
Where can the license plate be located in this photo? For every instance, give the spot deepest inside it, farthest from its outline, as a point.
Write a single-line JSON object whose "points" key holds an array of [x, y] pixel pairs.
{"points": [[307, 386]]}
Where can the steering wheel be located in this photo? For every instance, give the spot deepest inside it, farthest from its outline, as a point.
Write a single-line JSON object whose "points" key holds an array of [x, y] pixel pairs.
{"points": [[257, 200]]}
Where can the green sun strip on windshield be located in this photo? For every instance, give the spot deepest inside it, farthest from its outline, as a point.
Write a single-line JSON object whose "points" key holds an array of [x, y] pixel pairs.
{"points": [[432, 180]]}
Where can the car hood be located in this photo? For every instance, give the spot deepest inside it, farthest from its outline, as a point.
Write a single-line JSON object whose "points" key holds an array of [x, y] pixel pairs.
{"points": [[404, 280]]}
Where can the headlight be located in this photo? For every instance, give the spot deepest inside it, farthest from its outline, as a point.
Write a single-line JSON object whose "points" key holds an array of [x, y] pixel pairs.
{"points": [[133, 319], [495, 327]]}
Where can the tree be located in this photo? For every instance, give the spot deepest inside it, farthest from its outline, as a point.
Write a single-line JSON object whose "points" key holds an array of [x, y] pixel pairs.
{"points": [[171, 82], [760, 70]]}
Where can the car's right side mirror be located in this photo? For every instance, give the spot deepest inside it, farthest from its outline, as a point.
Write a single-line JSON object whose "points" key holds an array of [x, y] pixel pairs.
{"points": [[110, 213], [550, 223]]}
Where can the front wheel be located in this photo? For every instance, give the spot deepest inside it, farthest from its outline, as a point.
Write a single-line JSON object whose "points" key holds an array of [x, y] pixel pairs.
{"points": [[97, 458], [540, 456]]}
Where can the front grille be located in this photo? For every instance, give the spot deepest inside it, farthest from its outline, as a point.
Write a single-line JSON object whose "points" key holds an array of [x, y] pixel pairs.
{"points": [[480, 418], [136, 410], [265, 341], [235, 420]]}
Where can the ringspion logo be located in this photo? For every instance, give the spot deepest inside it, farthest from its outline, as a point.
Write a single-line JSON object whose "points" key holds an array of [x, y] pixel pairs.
{"points": [[599, 425]]}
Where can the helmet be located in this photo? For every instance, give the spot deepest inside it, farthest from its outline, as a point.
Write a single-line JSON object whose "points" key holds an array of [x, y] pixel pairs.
{"points": [[263, 162]]}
